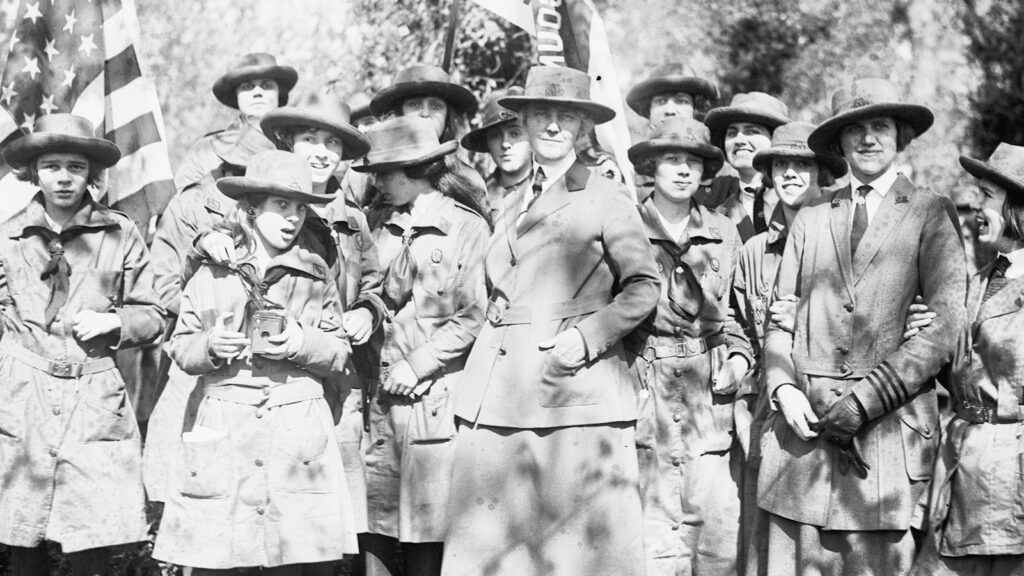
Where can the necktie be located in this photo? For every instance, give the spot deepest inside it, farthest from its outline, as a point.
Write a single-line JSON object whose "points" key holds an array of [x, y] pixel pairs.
{"points": [[401, 273], [860, 218], [538, 187], [997, 280], [57, 274], [759, 221]]}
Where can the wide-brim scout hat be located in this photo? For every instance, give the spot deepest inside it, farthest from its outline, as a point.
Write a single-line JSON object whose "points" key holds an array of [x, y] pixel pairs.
{"points": [[672, 77], [275, 173], [494, 115], [1004, 167], [62, 133], [239, 151], [752, 107], [680, 134], [868, 98], [323, 111], [251, 67], [359, 104], [562, 86], [423, 80], [402, 142], [790, 141]]}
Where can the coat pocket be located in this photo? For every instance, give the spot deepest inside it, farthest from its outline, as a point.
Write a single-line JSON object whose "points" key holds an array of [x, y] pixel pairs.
{"points": [[12, 420], [100, 290], [207, 471], [299, 463], [561, 387], [432, 420], [108, 416], [920, 443]]}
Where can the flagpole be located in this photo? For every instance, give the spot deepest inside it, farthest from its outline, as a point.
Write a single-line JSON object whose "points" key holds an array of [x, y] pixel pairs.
{"points": [[449, 37]]}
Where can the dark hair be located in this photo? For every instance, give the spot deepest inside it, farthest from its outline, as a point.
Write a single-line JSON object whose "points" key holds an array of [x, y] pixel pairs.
{"points": [[1013, 213], [825, 177], [284, 138], [905, 133], [31, 175], [456, 124], [649, 163], [444, 176], [701, 105]]}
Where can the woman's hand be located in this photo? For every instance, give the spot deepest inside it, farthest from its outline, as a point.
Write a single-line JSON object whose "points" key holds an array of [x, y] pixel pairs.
{"points": [[226, 343], [287, 343], [919, 316], [783, 312], [358, 325], [567, 349], [88, 324], [219, 247], [401, 379], [730, 375], [797, 410]]}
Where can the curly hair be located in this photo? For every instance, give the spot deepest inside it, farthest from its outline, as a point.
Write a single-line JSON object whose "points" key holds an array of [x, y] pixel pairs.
{"points": [[30, 174], [240, 223], [444, 176]]}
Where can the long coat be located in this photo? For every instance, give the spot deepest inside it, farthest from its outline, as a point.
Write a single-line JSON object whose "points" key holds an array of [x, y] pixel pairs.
{"points": [[262, 482], [849, 340], [408, 449], [978, 493], [579, 259], [70, 450]]}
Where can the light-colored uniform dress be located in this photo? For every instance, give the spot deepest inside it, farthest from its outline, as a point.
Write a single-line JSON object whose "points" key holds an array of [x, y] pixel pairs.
{"points": [[70, 450]]}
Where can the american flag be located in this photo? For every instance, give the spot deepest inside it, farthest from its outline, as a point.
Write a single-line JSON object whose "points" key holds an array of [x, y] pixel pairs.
{"points": [[79, 56]]}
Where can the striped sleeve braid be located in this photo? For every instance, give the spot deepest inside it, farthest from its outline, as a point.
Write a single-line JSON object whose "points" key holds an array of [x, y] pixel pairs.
{"points": [[881, 391]]}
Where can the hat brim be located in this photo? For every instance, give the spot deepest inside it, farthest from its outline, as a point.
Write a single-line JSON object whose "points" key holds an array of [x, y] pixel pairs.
{"points": [[763, 159], [28, 147], [237, 187], [649, 148], [443, 150], [459, 98], [476, 140], [354, 143], [285, 76], [984, 170], [919, 117], [719, 119], [639, 98], [599, 113]]}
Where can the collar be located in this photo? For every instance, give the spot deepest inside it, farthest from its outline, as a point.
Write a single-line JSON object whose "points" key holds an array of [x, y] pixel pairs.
{"points": [[1016, 258], [336, 213], [882, 184], [701, 224], [777, 228], [298, 258], [92, 214], [754, 185], [497, 180], [438, 215], [554, 171]]}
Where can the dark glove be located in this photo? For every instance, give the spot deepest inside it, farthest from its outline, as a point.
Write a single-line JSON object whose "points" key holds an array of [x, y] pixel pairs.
{"points": [[842, 422], [850, 455]]}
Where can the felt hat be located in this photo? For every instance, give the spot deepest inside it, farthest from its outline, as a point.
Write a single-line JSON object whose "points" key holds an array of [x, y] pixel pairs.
{"points": [[867, 98], [359, 104], [401, 142], [423, 80], [62, 133], [239, 150], [277, 173], [1004, 167], [671, 77], [494, 115], [251, 67], [790, 141], [324, 111], [680, 134], [559, 85], [752, 107]]}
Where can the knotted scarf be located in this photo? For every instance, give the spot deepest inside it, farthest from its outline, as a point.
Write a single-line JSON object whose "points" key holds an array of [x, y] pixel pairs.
{"points": [[401, 274], [56, 273]]}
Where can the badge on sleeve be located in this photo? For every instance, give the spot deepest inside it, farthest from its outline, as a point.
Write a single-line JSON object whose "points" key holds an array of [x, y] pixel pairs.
{"points": [[436, 255], [715, 264]]}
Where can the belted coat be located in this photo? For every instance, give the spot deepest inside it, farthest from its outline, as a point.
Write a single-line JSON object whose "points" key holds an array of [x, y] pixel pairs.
{"points": [[70, 450], [849, 340], [579, 259]]}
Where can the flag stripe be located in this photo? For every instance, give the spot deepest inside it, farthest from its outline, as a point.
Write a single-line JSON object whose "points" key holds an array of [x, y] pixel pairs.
{"points": [[136, 134], [122, 69], [144, 166], [130, 102], [120, 31]]}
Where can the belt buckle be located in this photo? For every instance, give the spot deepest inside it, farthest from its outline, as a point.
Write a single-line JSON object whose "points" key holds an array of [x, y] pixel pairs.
{"points": [[62, 369], [649, 354]]}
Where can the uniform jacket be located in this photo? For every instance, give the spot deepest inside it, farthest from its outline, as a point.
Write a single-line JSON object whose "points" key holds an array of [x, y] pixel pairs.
{"points": [[849, 340], [201, 158], [979, 488], [579, 259], [355, 245], [269, 488], [70, 447], [724, 195], [496, 193]]}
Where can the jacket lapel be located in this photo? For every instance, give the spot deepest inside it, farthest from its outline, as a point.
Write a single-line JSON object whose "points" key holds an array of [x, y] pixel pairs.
{"points": [[509, 216], [839, 225], [555, 198], [1009, 299], [886, 220]]}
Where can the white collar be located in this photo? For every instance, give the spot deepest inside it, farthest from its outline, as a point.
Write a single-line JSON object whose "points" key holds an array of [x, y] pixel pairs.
{"points": [[553, 172], [882, 184], [1016, 257]]}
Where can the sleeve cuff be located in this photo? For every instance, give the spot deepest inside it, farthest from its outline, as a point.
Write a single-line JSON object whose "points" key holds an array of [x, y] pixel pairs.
{"points": [[881, 391], [422, 362]]}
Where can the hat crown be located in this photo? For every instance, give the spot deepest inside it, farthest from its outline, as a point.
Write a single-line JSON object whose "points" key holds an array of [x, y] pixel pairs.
{"points": [[66, 124], [282, 169], [327, 105], [254, 59], [792, 136], [495, 112], [682, 130], [422, 73], [760, 101], [557, 82], [1008, 160], [359, 105], [401, 138], [673, 69], [864, 92]]}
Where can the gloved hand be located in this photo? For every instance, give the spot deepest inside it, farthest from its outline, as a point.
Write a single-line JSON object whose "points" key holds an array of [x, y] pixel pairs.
{"points": [[842, 421], [850, 455]]}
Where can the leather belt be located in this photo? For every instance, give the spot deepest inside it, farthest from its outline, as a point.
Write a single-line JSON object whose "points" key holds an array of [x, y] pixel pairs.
{"points": [[682, 348], [58, 368], [981, 414], [500, 312]]}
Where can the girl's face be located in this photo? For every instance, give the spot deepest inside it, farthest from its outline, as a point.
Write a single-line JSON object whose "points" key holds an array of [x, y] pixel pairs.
{"points": [[742, 141], [397, 188], [430, 107], [795, 180], [991, 223], [62, 178], [278, 222], [322, 148], [257, 97], [677, 175], [509, 147]]}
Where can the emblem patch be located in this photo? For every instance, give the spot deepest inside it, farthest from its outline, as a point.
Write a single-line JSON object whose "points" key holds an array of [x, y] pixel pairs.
{"points": [[554, 90], [860, 101], [715, 264], [436, 256]]}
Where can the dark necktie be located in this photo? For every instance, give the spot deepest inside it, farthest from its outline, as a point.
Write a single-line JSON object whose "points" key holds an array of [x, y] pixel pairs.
{"points": [[860, 218], [401, 274], [997, 280], [538, 187], [757, 218], [56, 273]]}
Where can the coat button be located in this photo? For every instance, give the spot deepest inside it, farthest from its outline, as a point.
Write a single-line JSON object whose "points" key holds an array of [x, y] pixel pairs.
{"points": [[56, 411], [258, 462], [677, 330], [266, 390], [843, 350], [502, 352], [675, 527], [837, 392], [53, 452], [678, 372], [260, 412], [675, 462], [848, 306], [260, 510], [927, 429], [380, 442], [676, 417]]}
